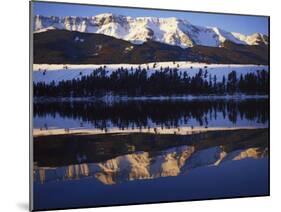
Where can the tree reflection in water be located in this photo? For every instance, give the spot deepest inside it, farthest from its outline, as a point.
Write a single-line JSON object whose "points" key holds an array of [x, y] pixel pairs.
{"points": [[163, 114]]}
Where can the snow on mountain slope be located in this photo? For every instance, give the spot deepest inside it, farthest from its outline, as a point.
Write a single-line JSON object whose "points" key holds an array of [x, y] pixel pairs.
{"points": [[223, 36], [254, 39], [58, 73], [171, 31]]}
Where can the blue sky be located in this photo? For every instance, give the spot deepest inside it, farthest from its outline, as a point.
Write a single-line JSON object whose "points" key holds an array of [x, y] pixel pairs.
{"points": [[234, 23]]}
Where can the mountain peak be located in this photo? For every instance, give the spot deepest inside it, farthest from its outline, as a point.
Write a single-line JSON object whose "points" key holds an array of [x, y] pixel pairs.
{"points": [[108, 15], [101, 15], [171, 30]]}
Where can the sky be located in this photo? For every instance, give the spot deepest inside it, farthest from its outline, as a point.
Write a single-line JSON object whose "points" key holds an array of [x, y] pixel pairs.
{"points": [[232, 23]]}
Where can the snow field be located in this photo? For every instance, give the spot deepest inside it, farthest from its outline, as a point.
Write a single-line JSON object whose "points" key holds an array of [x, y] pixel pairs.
{"points": [[59, 72]]}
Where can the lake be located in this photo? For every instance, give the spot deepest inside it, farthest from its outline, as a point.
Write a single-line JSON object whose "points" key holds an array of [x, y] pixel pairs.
{"points": [[151, 113], [149, 151]]}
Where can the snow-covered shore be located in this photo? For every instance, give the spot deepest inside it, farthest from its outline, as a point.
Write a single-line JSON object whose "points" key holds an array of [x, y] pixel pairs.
{"points": [[157, 130], [58, 72]]}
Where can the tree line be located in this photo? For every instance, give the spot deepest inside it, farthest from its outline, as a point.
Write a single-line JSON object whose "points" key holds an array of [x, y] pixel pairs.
{"points": [[166, 81]]}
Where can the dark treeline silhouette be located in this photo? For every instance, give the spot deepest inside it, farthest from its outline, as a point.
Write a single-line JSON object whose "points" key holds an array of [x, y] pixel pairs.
{"points": [[145, 114], [166, 81]]}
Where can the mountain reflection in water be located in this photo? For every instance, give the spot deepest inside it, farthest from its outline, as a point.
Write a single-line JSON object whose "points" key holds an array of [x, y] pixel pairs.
{"points": [[113, 159], [94, 153]]}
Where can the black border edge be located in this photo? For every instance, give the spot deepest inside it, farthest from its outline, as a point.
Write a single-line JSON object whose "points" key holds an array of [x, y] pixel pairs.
{"points": [[269, 70], [31, 199]]}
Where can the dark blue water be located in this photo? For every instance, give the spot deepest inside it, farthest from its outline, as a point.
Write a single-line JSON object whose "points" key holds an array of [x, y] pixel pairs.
{"points": [[80, 171], [232, 179]]}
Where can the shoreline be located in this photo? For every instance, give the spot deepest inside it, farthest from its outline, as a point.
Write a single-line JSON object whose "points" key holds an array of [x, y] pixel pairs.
{"points": [[157, 130], [112, 98]]}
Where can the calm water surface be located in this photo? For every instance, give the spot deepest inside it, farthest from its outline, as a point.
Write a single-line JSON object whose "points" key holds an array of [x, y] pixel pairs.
{"points": [[75, 170], [145, 114]]}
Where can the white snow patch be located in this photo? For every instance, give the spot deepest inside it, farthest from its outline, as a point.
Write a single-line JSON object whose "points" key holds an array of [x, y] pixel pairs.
{"points": [[59, 72], [77, 39]]}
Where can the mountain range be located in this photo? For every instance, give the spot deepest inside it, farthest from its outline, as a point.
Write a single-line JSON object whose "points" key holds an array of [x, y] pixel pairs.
{"points": [[71, 47], [115, 39], [172, 31]]}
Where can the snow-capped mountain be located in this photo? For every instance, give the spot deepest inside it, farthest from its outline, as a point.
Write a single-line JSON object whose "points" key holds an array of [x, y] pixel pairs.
{"points": [[254, 39], [171, 31]]}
